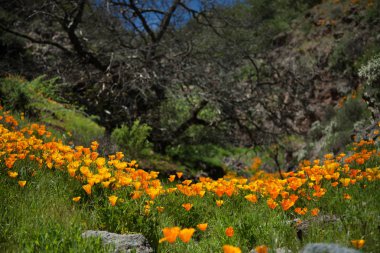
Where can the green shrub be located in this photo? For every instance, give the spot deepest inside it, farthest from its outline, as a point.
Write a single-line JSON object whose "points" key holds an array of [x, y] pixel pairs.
{"points": [[335, 132], [371, 72], [14, 94], [373, 13], [345, 51], [133, 139]]}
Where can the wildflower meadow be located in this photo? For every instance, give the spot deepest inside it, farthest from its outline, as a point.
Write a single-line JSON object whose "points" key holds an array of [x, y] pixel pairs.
{"points": [[54, 191]]}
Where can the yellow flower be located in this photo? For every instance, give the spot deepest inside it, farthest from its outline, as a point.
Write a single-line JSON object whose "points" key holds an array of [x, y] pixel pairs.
{"points": [[22, 183], [160, 209], [12, 174], [112, 199], [219, 202], [202, 226], [231, 249], [186, 234], [76, 199]]}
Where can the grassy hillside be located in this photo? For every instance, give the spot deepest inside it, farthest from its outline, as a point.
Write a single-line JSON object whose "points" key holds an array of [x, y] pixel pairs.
{"points": [[51, 192], [37, 99]]}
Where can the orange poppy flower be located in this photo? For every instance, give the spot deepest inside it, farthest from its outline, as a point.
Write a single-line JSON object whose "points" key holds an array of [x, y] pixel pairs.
{"points": [[202, 226], [314, 211], [186, 234], [301, 211], [347, 196], [136, 194], [219, 202], [261, 249], [231, 249], [251, 198], [12, 174], [230, 231], [170, 234], [271, 203], [171, 178], [179, 174], [358, 243], [76, 199], [286, 204], [87, 188], [22, 183], [112, 199], [187, 206]]}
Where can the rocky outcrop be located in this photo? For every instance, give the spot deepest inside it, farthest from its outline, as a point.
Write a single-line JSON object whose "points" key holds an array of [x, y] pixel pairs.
{"points": [[122, 243], [323, 51], [326, 248]]}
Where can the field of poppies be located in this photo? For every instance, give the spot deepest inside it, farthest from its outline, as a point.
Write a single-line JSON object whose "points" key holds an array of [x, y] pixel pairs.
{"points": [[52, 191]]}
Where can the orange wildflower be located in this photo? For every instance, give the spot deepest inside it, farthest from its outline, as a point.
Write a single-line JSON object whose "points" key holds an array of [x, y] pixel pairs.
{"points": [[22, 183], [251, 198], [271, 203], [314, 211], [94, 145], [261, 249], [87, 188], [112, 199], [187, 182], [12, 174], [300, 211], [231, 249], [171, 178], [347, 196], [230, 231], [202, 226], [170, 234], [345, 181], [136, 195], [179, 174], [76, 199], [219, 202], [358, 243], [286, 204], [187, 206], [186, 234]]}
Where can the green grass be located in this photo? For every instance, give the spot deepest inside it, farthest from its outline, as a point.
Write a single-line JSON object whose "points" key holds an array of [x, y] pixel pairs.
{"points": [[42, 218]]}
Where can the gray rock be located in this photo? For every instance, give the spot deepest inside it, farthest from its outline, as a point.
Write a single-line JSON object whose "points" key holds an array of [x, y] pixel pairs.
{"points": [[122, 243], [326, 248]]}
